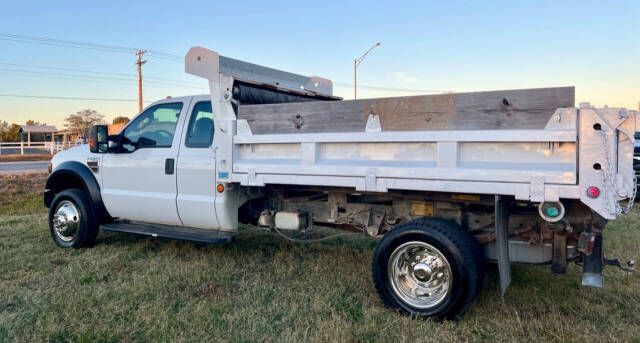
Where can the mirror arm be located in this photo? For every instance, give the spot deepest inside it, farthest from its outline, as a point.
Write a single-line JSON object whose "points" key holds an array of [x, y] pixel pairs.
{"points": [[117, 139]]}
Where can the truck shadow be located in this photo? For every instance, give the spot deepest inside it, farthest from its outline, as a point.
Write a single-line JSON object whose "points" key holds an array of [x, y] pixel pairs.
{"points": [[249, 238], [534, 290]]}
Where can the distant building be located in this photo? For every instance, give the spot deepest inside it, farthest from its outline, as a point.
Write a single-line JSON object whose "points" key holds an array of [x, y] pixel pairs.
{"points": [[37, 133], [66, 136]]}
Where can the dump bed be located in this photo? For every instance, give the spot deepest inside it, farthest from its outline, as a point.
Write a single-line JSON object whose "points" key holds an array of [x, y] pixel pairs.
{"points": [[532, 144]]}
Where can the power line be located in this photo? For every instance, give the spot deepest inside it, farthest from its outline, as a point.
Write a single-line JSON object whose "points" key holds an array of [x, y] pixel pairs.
{"points": [[65, 43], [171, 82], [160, 55], [176, 58], [93, 78], [340, 84], [38, 72], [61, 45], [63, 97], [59, 41], [148, 83], [129, 50], [62, 68], [156, 52], [98, 72], [166, 58], [84, 45]]}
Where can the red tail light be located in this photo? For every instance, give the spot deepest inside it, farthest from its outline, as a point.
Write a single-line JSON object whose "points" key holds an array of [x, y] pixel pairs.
{"points": [[593, 192]]}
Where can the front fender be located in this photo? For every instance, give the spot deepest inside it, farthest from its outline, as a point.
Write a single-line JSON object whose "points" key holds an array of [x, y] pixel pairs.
{"points": [[73, 174]]}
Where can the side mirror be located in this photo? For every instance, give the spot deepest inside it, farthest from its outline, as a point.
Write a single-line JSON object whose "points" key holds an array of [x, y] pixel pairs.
{"points": [[98, 139]]}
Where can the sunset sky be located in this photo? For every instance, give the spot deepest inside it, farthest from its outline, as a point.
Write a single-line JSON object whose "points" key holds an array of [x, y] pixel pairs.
{"points": [[437, 47]]}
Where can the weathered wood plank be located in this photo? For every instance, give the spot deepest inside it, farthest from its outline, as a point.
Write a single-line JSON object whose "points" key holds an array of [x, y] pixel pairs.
{"points": [[510, 109]]}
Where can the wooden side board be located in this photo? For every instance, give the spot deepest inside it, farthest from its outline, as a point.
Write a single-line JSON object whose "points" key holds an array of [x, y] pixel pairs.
{"points": [[509, 109]]}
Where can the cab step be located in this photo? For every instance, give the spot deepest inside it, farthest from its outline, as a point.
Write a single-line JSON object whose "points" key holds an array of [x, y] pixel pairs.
{"points": [[207, 236]]}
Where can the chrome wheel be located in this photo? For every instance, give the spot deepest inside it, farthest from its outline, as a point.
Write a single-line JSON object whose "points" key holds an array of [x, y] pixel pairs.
{"points": [[66, 221], [419, 274]]}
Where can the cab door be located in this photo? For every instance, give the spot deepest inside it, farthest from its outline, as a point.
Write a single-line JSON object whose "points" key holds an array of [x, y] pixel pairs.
{"points": [[139, 181], [196, 169]]}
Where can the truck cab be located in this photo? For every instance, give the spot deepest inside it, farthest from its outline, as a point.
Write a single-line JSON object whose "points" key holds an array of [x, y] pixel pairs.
{"points": [[164, 171], [161, 166]]}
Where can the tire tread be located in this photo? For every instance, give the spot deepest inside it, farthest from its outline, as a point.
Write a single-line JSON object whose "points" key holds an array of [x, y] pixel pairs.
{"points": [[467, 246], [86, 238]]}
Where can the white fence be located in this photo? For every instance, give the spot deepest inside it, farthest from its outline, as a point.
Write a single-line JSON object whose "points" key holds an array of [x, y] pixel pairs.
{"points": [[22, 148]]}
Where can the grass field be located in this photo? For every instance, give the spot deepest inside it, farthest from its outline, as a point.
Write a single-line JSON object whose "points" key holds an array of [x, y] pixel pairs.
{"points": [[262, 288]]}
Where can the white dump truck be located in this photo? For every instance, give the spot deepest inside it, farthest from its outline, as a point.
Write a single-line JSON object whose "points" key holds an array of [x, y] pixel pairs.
{"points": [[445, 181]]}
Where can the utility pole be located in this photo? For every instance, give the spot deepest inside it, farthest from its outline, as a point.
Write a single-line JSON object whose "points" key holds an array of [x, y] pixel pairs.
{"points": [[356, 63], [140, 62]]}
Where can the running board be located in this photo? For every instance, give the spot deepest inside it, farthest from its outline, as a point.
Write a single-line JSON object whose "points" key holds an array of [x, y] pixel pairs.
{"points": [[208, 236]]}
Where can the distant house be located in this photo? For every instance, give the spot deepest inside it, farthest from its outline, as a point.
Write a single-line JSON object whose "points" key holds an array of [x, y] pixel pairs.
{"points": [[66, 136], [43, 133], [37, 133]]}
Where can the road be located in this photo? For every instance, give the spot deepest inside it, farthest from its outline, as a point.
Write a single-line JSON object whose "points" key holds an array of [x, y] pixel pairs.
{"points": [[26, 150], [22, 167]]}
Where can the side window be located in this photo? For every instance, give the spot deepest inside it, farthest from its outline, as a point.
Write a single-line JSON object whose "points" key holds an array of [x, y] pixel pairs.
{"points": [[154, 128], [200, 130]]}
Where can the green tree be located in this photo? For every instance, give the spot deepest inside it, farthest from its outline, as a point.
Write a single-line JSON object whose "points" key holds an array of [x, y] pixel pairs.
{"points": [[9, 133], [120, 119], [4, 127], [82, 121]]}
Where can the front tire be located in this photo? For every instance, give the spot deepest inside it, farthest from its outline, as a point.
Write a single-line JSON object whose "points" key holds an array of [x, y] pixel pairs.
{"points": [[427, 268], [72, 223]]}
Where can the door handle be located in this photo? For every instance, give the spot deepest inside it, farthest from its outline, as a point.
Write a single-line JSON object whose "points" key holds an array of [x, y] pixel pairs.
{"points": [[169, 166]]}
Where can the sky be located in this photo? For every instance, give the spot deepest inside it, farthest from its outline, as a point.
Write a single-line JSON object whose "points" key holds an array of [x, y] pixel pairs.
{"points": [[427, 46]]}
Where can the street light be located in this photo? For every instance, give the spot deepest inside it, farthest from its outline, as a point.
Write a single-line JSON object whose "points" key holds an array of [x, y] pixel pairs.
{"points": [[356, 63]]}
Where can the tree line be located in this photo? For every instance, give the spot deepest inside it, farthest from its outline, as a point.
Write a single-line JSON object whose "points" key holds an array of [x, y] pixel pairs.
{"points": [[79, 122]]}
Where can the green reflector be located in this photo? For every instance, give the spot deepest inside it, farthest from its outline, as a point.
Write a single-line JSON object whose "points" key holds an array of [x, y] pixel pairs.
{"points": [[552, 211]]}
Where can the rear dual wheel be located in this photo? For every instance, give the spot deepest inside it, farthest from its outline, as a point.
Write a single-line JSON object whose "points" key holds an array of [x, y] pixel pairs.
{"points": [[429, 267]]}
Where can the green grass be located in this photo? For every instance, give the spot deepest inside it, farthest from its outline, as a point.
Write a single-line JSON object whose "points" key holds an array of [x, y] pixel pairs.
{"points": [[262, 288]]}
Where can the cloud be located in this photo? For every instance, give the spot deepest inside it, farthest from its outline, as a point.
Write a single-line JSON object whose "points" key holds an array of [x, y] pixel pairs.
{"points": [[400, 76]]}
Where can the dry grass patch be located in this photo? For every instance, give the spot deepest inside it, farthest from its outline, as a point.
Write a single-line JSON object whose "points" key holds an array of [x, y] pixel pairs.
{"points": [[22, 193], [24, 158]]}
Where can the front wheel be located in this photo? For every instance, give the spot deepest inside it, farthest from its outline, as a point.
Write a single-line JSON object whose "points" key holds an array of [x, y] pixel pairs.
{"points": [[427, 268], [71, 220]]}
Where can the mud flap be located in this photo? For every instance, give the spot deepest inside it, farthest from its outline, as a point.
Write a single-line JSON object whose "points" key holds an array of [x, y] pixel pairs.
{"points": [[559, 255], [593, 263], [502, 241]]}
